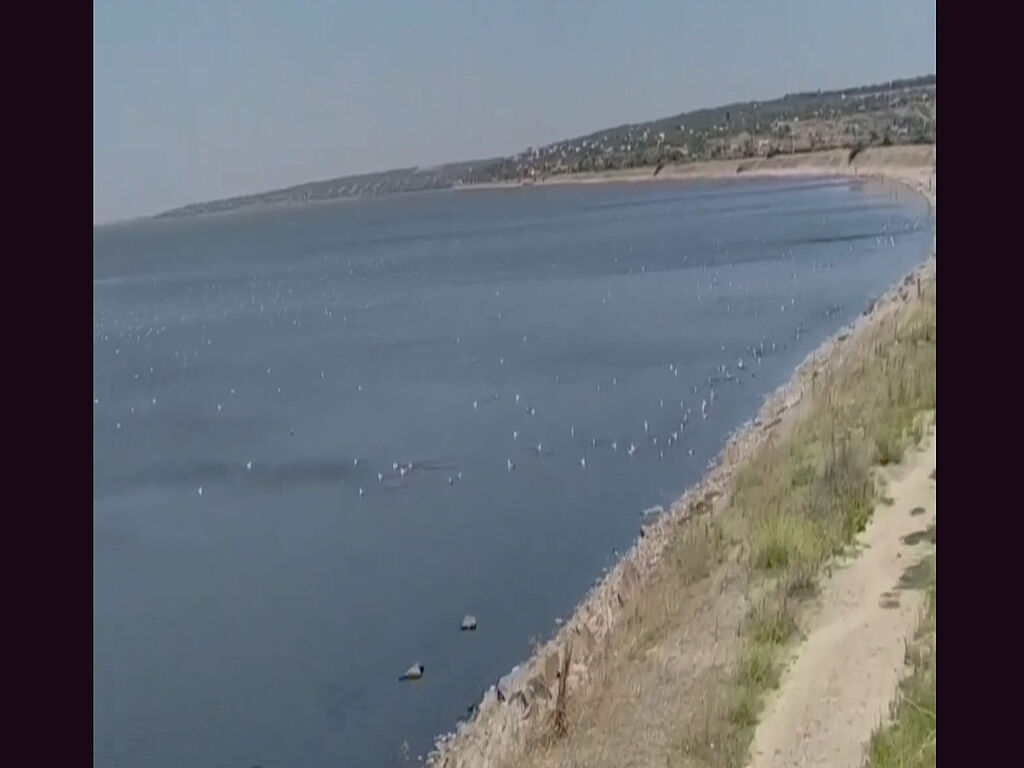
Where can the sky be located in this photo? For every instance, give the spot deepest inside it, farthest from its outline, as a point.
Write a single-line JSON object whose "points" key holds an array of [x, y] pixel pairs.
{"points": [[197, 100]]}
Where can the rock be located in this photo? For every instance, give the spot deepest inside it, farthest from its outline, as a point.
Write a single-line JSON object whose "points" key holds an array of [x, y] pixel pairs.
{"points": [[538, 688], [415, 672], [588, 641], [469, 623], [504, 688], [551, 668]]}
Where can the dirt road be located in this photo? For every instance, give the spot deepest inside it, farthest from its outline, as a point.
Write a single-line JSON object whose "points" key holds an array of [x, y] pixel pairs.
{"points": [[838, 687]]}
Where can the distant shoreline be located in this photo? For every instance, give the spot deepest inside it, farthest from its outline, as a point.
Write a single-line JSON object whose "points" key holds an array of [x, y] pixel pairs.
{"points": [[499, 730], [895, 160], [902, 163]]}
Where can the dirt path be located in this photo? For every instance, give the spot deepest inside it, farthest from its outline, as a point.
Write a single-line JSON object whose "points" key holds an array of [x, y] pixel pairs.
{"points": [[838, 687]]}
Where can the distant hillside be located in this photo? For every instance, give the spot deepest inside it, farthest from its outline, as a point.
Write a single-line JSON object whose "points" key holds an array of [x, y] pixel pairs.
{"points": [[897, 112]]}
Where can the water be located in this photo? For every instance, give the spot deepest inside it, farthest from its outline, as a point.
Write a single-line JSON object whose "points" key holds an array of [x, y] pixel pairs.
{"points": [[266, 620]]}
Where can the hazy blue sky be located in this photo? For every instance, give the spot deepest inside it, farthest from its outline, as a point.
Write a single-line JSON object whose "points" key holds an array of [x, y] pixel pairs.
{"points": [[202, 99]]}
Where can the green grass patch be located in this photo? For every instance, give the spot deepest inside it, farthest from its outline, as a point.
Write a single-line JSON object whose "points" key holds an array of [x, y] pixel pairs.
{"points": [[771, 624], [908, 741]]}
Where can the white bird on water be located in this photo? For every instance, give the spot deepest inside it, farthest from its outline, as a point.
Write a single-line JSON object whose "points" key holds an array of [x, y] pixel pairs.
{"points": [[248, 465], [632, 449], [517, 398], [645, 426], [510, 464], [540, 449], [360, 492], [380, 477], [515, 435], [583, 462], [704, 409], [572, 431], [615, 445], [474, 405], [200, 490]]}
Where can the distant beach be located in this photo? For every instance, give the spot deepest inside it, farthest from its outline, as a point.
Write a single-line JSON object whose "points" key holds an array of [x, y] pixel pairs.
{"points": [[913, 165]]}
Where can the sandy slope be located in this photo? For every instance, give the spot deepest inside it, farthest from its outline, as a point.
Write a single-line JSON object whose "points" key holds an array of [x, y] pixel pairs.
{"points": [[847, 671]]}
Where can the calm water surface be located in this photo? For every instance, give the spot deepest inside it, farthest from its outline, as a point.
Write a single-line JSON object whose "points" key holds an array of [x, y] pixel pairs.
{"points": [[258, 586]]}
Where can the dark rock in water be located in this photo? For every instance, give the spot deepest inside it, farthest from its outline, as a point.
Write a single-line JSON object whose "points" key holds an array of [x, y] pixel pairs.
{"points": [[870, 306], [469, 623], [415, 672]]}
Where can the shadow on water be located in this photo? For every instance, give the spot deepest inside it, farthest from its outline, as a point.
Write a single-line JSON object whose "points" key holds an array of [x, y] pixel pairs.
{"points": [[279, 475]]}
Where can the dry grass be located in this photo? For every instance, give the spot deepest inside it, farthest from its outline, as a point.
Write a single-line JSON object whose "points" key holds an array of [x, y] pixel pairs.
{"points": [[909, 740]]}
